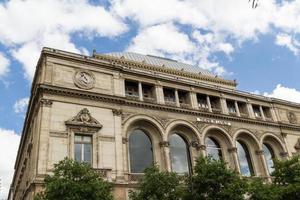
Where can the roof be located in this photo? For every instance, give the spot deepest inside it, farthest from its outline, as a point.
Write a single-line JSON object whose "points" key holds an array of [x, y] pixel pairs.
{"points": [[159, 61]]}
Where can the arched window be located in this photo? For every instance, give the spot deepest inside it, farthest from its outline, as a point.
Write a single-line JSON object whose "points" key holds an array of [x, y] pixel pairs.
{"points": [[213, 148], [244, 159], [180, 157], [140, 150], [269, 156]]}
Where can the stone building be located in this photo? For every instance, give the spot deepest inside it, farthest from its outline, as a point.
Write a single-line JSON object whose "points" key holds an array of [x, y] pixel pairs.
{"points": [[123, 111]]}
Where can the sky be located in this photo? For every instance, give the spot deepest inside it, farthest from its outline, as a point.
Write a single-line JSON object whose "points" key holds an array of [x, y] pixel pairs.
{"points": [[260, 47]]}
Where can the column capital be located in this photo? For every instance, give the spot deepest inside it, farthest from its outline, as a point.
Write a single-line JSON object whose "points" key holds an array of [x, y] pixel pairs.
{"points": [[259, 152], [232, 150], [164, 144]]}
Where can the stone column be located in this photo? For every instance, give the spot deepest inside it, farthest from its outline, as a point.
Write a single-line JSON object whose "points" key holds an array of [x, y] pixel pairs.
{"points": [[233, 152], [159, 94], [118, 144], [250, 110], [237, 109], [193, 98], [224, 106], [202, 149], [260, 154], [177, 98], [208, 103], [44, 130], [286, 143], [140, 91], [262, 113], [166, 152]]}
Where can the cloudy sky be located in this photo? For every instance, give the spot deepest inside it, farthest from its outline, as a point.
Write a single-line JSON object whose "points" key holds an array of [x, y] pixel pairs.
{"points": [[258, 47]]}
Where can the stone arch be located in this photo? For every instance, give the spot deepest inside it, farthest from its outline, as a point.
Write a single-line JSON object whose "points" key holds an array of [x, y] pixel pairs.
{"points": [[138, 120], [154, 131], [253, 146], [224, 140], [189, 133], [274, 142], [187, 130]]}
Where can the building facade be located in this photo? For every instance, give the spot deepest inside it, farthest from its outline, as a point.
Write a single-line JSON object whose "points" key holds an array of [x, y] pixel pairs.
{"points": [[121, 112]]}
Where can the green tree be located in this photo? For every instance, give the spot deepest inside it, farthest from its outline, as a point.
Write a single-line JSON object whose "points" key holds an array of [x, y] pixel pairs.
{"points": [[287, 178], [72, 180], [212, 180], [158, 185], [260, 189]]}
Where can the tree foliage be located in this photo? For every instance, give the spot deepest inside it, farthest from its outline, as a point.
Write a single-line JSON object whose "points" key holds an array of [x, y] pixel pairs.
{"points": [[72, 180], [157, 185], [213, 180]]}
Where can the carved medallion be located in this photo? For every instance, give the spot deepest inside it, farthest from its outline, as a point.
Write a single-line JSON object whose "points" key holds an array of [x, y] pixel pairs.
{"points": [[84, 79], [291, 117]]}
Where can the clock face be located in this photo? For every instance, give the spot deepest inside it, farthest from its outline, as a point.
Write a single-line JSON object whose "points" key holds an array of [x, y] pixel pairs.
{"points": [[84, 80]]}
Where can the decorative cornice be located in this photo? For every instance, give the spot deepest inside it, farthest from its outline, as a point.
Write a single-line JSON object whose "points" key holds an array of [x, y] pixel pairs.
{"points": [[128, 102], [139, 65]]}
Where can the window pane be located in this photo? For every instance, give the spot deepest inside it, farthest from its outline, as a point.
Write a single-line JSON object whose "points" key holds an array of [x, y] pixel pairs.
{"points": [[77, 138], [269, 155], [213, 148], [244, 159], [140, 149], [179, 154], [87, 153], [77, 152], [87, 138]]}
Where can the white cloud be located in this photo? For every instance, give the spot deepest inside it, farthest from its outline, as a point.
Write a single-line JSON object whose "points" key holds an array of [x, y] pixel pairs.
{"points": [[27, 26], [4, 64], [281, 92], [9, 142], [288, 42], [160, 39], [21, 105]]}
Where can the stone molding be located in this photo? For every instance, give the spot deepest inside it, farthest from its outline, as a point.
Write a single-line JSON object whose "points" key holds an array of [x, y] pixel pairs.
{"points": [[164, 144], [117, 112], [124, 101], [232, 150], [46, 102], [84, 122], [134, 64]]}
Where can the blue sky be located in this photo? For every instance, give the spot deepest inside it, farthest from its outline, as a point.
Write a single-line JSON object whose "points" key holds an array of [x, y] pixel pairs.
{"points": [[260, 48]]}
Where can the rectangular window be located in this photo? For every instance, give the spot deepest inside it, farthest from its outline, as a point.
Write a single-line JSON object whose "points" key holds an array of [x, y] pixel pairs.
{"points": [[83, 148]]}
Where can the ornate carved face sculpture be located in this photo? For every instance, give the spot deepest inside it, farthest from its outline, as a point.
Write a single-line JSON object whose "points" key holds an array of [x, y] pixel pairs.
{"points": [[291, 117]]}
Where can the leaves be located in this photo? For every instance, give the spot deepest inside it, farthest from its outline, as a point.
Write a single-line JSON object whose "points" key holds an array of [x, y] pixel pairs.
{"points": [[73, 180]]}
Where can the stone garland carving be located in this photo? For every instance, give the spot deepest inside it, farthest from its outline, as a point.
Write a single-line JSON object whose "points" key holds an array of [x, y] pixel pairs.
{"points": [[84, 79], [163, 121], [291, 117], [84, 122]]}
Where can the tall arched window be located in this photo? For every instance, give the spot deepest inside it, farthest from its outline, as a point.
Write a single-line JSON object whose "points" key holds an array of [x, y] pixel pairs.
{"points": [[213, 148], [269, 156], [244, 159], [140, 150], [180, 156]]}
